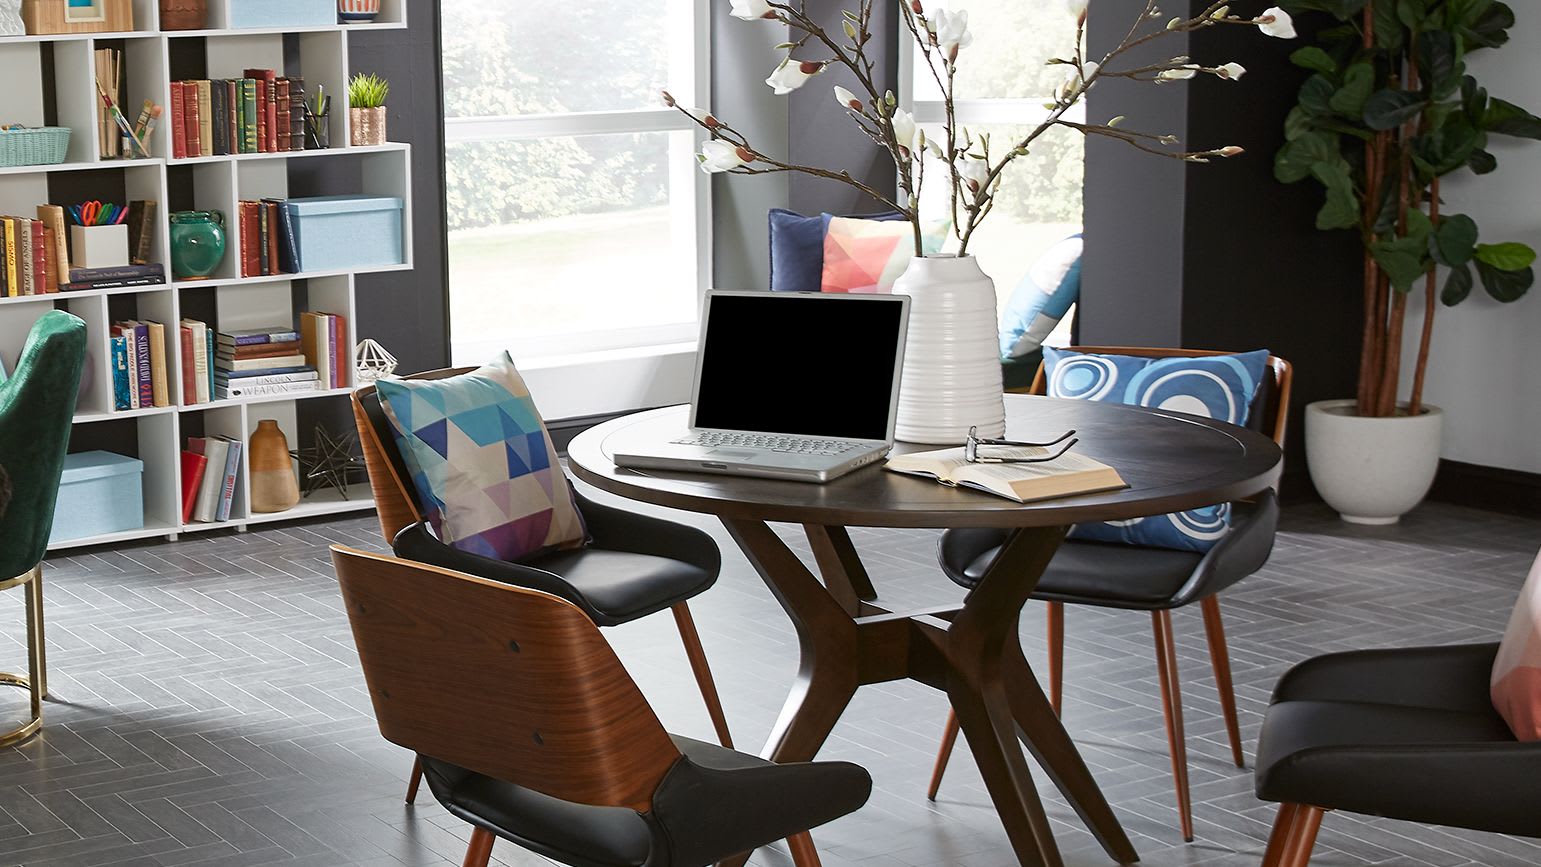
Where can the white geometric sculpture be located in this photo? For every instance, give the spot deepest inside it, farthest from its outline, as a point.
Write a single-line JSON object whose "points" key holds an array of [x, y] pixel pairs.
{"points": [[374, 363]]}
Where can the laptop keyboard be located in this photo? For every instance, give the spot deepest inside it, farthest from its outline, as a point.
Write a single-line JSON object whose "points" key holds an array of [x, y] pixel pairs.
{"points": [[771, 442]]}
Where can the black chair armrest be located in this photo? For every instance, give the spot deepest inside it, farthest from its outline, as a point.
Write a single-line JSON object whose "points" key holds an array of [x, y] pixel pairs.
{"points": [[1451, 677], [1242, 552], [417, 543], [621, 530]]}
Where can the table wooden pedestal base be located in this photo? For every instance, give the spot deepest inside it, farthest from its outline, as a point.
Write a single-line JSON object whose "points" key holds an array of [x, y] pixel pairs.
{"points": [[971, 652]]}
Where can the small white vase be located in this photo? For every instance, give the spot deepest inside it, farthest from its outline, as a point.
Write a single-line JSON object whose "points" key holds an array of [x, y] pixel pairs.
{"points": [[952, 362], [1371, 470]]}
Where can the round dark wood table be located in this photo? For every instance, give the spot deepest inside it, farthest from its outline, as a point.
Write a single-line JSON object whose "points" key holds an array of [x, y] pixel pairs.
{"points": [[849, 638]]}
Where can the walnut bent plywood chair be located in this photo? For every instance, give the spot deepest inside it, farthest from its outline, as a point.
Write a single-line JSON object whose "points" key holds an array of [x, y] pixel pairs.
{"points": [[529, 728], [1145, 579], [636, 565]]}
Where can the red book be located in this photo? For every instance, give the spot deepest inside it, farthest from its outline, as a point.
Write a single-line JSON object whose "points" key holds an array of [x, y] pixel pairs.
{"points": [[251, 241], [193, 467], [51, 252], [190, 118], [267, 108], [339, 349], [267, 350], [281, 102], [39, 247], [178, 122]]}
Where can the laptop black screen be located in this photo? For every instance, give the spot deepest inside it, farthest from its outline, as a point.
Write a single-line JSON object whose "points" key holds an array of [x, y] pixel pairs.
{"points": [[799, 364]]}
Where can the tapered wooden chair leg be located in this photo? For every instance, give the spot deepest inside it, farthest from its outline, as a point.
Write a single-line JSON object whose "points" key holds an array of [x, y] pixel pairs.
{"points": [[480, 850], [1171, 704], [803, 853], [1220, 658], [1303, 837], [703, 672], [949, 739], [1278, 841], [1057, 657], [417, 779]]}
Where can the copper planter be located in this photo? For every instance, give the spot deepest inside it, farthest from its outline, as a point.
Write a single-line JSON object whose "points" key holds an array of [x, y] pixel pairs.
{"points": [[367, 127]]}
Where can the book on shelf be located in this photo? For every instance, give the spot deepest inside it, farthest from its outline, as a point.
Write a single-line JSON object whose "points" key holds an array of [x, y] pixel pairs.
{"points": [[251, 336], [158, 391], [121, 397], [262, 112], [258, 350], [197, 346], [268, 242], [205, 119], [324, 337], [1067, 475], [297, 113], [194, 465], [178, 121], [237, 388], [141, 230], [53, 219], [277, 376], [191, 120], [26, 264], [232, 473], [272, 371], [117, 272], [210, 491], [245, 364]]}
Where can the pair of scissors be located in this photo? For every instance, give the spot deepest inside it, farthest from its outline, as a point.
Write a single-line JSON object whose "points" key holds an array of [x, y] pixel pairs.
{"points": [[86, 213]]}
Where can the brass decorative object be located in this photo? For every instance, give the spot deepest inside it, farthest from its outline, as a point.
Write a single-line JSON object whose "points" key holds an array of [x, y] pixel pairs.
{"points": [[332, 461], [36, 681]]}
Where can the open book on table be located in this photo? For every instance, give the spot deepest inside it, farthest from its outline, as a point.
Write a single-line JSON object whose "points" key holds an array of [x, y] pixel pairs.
{"points": [[1065, 476]]}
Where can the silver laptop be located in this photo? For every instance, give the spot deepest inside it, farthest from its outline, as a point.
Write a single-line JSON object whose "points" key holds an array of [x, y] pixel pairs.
{"points": [[800, 386]]}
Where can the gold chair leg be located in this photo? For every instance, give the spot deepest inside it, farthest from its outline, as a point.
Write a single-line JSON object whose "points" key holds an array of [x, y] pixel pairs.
{"points": [[36, 681]]}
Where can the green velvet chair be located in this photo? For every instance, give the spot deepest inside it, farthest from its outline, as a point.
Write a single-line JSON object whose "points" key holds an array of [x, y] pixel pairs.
{"points": [[37, 407]]}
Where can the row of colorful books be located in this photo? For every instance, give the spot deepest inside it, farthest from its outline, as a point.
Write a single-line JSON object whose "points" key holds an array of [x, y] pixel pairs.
{"points": [[138, 365], [268, 242], [211, 467], [35, 260], [261, 113], [262, 362]]}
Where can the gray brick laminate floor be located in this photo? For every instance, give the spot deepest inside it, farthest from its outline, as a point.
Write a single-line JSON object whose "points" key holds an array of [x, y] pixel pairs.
{"points": [[208, 709]]}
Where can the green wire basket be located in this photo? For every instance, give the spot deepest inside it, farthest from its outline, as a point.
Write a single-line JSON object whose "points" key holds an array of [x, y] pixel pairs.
{"points": [[42, 146]]}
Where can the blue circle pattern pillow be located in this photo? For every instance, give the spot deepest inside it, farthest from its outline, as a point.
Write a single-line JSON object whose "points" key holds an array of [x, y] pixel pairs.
{"points": [[1220, 387]]}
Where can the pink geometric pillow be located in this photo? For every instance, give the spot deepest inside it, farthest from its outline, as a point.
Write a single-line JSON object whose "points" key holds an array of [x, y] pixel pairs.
{"points": [[1517, 671], [869, 255]]}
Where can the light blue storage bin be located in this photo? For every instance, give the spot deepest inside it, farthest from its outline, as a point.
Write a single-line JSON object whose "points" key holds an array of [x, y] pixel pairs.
{"points": [[282, 13], [340, 233], [101, 493]]}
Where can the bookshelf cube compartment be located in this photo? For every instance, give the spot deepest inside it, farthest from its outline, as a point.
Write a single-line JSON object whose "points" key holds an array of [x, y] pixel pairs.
{"points": [[100, 493], [246, 14], [337, 233]]}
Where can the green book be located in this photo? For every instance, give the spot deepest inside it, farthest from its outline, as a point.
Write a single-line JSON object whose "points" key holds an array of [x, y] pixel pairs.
{"points": [[248, 115]]}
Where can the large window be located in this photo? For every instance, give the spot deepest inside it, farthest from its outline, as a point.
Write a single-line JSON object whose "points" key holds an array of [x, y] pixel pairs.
{"points": [[1001, 88], [577, 217]]}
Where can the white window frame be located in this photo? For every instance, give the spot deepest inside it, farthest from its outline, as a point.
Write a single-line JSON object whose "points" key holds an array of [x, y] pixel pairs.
{"points": [[689, 55]]}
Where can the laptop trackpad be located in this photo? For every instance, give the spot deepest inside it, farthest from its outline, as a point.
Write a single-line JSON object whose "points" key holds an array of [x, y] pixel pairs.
{"points": [[734, 454]]}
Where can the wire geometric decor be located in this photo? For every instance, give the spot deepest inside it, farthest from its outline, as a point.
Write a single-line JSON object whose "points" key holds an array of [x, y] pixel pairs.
{"points": [[329, 462], [374, 362]]}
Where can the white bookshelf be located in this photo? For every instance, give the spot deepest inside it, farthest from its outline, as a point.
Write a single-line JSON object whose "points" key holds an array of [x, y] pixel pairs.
{"points": [[226, 300]]}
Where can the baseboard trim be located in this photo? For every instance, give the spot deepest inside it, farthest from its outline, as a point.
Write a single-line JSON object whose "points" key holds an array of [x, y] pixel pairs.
{"points": [[1514, 492]]}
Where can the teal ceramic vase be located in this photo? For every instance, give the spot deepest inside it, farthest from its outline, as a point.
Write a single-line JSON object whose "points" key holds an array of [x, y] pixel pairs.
{"points": [[197, 243]]}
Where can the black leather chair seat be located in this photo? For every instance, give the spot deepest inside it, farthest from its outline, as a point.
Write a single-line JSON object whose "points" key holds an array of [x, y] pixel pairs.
{"points": [[729, 802], [1406, 734]]}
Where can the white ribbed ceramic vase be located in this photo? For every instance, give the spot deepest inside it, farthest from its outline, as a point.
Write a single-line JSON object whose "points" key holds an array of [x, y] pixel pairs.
{"points": [[952, 363]]}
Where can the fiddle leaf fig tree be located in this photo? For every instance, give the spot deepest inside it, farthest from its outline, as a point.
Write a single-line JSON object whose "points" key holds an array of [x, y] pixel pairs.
{"points": [[1388, 111]]}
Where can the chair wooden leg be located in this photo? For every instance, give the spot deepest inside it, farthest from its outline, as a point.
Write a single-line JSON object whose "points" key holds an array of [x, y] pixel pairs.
{"points": [[1308, 820], [417, 778], [949, 740], [703, 672], [1057, 657], [480, 850], [1171, 704], [803, 853], [1279, 840], [1220, 658]]}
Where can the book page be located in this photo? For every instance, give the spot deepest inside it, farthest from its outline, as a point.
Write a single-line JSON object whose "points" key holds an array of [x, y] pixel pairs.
{"points": [[1065, 464]]}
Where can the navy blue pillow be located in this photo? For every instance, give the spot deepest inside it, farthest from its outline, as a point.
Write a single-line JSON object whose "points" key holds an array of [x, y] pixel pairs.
{"points": [[797, 248]]}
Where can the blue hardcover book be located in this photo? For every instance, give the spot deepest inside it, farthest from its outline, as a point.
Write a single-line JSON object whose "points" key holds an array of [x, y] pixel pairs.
{"points": [[288, 240], [120, 395], [208, 346], [242, 374], [232, 473]]}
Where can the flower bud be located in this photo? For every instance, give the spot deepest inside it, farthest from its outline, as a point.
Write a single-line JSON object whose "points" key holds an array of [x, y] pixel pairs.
{"points": [[710, 122], [668, 99], [810, 67]]}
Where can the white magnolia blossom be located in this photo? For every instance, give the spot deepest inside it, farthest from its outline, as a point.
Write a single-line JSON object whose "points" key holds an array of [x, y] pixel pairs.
{"points": [[1181, 73], [951, 32], [847, 99], [1231, 71], [1077, 7], [791, 75], [1277, 23], [1075, 79], [975, 174], [721, 156], [751, 10], [904, 129]]}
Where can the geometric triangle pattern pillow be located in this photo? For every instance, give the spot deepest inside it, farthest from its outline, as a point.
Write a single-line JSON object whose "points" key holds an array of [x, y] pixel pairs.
{"points": [[482, 462], [869, 255], [1516, 683], [1219, 387]]}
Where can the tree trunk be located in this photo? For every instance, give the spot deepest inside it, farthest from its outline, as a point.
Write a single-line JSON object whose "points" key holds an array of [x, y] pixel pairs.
{"points": [[1430, 286]]}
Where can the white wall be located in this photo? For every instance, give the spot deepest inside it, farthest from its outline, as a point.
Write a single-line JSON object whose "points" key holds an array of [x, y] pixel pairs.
{"points": [[1485, 368]]}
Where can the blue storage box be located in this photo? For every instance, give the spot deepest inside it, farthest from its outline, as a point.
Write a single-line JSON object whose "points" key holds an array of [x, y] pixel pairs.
{"points": [[101, 493], [341, 233], [282, 13]]}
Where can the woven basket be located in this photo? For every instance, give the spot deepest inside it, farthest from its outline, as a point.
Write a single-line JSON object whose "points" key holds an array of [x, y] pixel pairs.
{"points": [[44, 146]]}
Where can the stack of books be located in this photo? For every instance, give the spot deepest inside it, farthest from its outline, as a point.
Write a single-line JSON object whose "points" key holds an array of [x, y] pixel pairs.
{"points": [[33, 258], [118, 277], [324, 337], [261, 113], [210, 468], [138, 365], [263, 362], [197, 341], [268, 243]]}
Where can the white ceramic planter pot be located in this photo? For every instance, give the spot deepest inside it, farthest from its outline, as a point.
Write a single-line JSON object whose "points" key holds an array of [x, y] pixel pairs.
{"points": [[952, 364], [1371, 470]]}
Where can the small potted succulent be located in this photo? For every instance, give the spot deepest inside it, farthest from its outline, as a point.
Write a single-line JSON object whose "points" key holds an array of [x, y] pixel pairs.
{"points": [[366, 110]]}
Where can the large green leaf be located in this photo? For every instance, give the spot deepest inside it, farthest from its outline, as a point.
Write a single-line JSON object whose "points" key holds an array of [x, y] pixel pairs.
{"points": [[1389, 33], [1358, 82], [1296, 124], [1506, 118], [1411, 13], [1402, 260], [1316, 95], [1505, 286], [1438, 64], [1474, 99], [1457, 286], [1314, 59], [1454, 242], [1490, 29], [1509, 256], [1481, 162], [1341, 210], [1390, 108], [1445, 148], [1296, 160]]}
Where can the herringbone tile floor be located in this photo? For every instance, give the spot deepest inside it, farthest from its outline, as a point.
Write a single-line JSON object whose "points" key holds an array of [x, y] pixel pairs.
{"points": [[207, 708]]}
